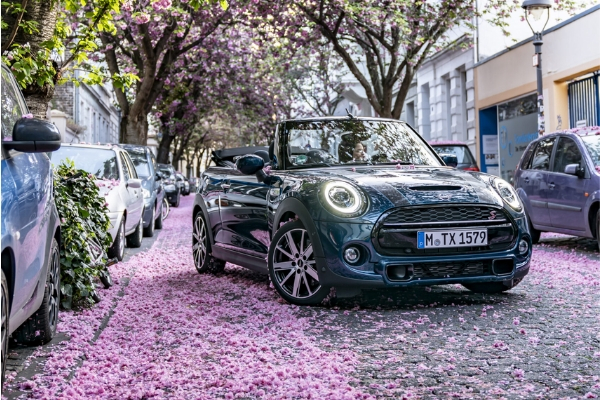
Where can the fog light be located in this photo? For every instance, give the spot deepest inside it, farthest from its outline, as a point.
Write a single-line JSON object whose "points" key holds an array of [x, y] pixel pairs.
{"points": [[351, 254], [523, 246]]}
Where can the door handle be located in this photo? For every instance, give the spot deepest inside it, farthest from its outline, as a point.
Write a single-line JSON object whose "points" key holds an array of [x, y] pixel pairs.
{"points": [[526, 180], [551, 185]]}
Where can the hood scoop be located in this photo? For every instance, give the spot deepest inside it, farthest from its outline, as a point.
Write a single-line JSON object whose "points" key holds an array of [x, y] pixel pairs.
{"points": [[435, 188]]}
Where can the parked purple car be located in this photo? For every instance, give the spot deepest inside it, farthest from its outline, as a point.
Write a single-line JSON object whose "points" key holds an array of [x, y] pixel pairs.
{"points": [[558, 180]]}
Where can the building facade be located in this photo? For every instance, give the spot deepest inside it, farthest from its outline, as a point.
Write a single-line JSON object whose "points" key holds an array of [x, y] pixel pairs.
{"points": [[86, 113], [505, 91]]}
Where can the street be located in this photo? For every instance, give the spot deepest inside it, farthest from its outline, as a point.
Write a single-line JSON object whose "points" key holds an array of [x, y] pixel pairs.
{"points": [[165, 331]]}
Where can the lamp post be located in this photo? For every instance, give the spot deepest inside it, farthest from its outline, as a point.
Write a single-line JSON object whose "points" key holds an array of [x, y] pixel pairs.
{"points": [[537, 14]]}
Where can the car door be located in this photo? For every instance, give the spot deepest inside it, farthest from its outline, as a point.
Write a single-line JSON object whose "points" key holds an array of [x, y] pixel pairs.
{"points": [[129, 195], [533, 180], [137, 201], [567, 198], [26, 193], [243, 211]]}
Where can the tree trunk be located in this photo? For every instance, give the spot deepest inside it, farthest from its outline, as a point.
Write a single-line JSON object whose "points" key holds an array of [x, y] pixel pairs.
{"points": [[134, 129], [45, 14], [164, 147]]}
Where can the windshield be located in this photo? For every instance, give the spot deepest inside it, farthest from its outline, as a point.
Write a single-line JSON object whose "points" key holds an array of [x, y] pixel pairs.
{"points": [[99, 162], [592, 143], [141, 163], [339, 142], [462, 153]]}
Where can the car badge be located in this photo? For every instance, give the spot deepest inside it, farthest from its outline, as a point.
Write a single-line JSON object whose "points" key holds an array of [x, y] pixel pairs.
{"points": [[444, 196], [492, 215]]}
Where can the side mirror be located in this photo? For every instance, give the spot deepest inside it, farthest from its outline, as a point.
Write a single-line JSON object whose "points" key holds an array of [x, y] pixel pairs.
{"points": [[574, 169], [134, 183], [249, 164], [34, 136], [450, 160]]}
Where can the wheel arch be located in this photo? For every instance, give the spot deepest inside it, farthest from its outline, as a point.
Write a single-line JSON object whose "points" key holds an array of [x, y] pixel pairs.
{"points": [[294, 208]]}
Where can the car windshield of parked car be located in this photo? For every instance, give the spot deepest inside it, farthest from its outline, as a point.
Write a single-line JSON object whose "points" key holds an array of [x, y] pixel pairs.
{"points": [[352, 141], [140, 162], [592, 143], [99, 162], [462, 153]]}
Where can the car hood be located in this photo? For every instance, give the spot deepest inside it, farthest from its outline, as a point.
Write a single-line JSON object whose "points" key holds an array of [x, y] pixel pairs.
{"points": [[418, 185], [109, 190]]}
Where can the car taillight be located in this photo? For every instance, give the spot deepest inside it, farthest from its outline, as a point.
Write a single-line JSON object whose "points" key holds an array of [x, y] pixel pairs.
{"points": [[473, 168]]}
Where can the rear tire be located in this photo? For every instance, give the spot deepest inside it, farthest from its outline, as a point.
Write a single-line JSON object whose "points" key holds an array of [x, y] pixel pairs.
{"points": [[149, 230], [135, 239], [5, 324], [535, 234], [40, 328], [176, 204], [490, 287], [117, 250], [201, 248], [598, 228]]}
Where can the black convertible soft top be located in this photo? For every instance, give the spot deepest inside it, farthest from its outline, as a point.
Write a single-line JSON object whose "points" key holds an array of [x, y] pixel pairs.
{"points": [[225, 157]]}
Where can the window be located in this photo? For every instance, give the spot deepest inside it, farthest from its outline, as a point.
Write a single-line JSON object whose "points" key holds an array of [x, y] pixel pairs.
{"points": [[13, 107], [567, 153], [126, 172], [101, 163], [542, 154], [132, 170]]}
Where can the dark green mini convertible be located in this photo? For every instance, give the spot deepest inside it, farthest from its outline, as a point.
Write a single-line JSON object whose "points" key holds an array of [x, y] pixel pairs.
{"points": [[355, 203]]}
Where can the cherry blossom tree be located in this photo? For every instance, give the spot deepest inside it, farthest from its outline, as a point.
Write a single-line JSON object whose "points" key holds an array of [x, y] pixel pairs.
{"points": [[150, 37]]}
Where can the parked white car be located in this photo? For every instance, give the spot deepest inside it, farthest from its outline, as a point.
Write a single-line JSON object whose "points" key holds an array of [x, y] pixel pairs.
{"points": [[118, 181]]}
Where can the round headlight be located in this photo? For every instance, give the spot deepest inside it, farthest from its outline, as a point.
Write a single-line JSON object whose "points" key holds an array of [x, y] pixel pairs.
{"points": [[343, 198], [508, 194]]}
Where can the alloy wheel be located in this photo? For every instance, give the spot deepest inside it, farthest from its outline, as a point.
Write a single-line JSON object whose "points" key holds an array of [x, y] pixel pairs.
{"points": [[54, 289], [294, 265], [199, 242]]}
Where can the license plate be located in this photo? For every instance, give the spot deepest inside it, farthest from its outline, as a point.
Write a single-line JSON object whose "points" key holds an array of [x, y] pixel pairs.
{"points": [[454, 238]]}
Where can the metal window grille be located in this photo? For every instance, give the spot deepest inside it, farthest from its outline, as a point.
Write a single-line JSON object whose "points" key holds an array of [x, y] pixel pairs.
{"points": [[584, 101]]}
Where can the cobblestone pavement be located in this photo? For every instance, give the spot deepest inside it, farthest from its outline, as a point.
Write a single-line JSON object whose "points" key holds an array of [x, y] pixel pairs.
{"points": [[165, 331]]}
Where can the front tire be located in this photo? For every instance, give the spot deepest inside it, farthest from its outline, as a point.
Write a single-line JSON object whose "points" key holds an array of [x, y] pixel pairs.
{"points": [[5, 325], [117, 250], [535, 234], [598, 228], [158, 222], [135, 239], [149, 230], [201, 248], [176, 203], [293, 268], [40, 328]]}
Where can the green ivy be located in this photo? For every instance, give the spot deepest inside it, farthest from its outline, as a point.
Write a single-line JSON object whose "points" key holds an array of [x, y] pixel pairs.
{"points": [[78, 199]]}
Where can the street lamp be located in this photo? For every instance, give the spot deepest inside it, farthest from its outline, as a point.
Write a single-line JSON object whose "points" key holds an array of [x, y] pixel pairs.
{"points": [[537, 14]]}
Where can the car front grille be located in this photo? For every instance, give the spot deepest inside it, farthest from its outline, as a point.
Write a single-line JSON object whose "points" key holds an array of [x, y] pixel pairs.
{"points": [[396, 231], [448, 270]]}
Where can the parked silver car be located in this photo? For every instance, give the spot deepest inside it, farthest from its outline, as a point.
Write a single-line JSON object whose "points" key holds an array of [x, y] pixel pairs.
{"points": [[118, 181]]}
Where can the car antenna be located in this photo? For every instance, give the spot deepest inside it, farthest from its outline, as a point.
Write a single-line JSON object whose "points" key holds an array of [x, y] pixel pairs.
{"points": [[349, 114]]}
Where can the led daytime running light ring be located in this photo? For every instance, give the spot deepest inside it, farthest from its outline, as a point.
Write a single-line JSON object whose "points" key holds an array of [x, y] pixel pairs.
{"points": [[499, 185], [358, 200]]}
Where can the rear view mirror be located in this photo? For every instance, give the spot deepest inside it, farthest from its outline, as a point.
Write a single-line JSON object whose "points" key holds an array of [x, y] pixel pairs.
{"points": [[574, 169], [450, 160], [249, 164], [34, 136]]}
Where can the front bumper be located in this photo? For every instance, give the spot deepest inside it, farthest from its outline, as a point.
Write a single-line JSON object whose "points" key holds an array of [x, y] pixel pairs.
{"points": [[172, 196], [376, 270]]}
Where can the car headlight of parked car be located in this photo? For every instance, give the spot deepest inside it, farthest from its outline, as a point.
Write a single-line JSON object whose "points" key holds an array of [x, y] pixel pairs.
{"points": [[508, 194], [343, 199], [146, 193]]}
